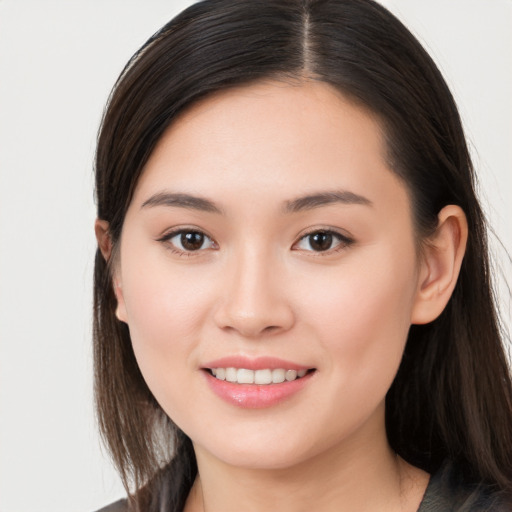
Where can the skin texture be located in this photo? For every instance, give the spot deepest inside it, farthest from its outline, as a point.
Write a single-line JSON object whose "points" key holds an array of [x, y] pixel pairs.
{"points": [[257, 288]]}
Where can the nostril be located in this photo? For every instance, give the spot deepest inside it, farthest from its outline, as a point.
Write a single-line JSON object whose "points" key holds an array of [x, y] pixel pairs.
{"points": [[254, 309]]}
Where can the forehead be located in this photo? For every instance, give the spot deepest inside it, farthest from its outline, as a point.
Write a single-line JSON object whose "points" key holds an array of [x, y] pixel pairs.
{"points": [[271, 137]]}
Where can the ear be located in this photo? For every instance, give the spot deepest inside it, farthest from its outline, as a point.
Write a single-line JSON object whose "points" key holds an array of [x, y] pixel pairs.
{"points": [[103, 238], [440, 266], [101, 228]]}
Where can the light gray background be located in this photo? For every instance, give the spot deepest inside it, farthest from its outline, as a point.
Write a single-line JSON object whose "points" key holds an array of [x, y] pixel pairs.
{"points": [[58, 61]]}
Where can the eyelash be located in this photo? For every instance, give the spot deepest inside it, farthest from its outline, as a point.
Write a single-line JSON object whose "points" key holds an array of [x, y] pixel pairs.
{"points": [[183, 231], [343, 241]]}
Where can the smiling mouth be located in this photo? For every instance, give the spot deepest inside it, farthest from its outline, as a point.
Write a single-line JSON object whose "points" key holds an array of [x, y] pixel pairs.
{"points": [[264, 376]]}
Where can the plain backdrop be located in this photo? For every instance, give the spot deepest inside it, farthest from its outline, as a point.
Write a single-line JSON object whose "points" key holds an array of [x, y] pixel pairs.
{"points": [[58, 61]]}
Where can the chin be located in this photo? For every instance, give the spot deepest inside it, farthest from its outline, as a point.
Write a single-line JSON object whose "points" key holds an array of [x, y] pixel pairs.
{"points": [[262, 459], [261, 452]]}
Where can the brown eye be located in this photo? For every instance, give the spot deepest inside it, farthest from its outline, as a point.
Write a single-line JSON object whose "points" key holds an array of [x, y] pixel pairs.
{"points": [[186, 241], [320, 241], [323, 241], [192, 241]]}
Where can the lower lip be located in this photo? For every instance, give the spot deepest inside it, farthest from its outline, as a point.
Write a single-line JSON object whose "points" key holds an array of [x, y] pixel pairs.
{"points": [[254, 396]]}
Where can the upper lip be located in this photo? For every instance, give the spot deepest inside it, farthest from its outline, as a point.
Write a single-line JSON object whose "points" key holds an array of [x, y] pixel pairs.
{"points": [[258, 363]]}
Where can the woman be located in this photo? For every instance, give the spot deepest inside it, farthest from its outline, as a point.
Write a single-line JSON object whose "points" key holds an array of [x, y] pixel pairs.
{"points": [[292, 293]]}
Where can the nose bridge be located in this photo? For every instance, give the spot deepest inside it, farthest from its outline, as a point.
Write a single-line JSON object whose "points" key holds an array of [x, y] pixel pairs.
{"points": [[253, 302]]}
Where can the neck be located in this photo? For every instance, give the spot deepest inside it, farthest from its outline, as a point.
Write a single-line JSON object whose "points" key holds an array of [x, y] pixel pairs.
{"points": [[361, 474]]}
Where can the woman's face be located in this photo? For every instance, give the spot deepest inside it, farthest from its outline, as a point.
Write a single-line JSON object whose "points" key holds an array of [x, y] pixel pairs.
{"points": [[268, 238]]}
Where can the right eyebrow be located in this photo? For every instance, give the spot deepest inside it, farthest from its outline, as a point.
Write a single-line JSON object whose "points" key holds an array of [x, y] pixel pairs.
{"points": [[181, 200]]}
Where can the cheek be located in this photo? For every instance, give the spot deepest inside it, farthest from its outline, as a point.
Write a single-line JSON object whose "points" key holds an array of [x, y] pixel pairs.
{"points": [[161, 296], [362, 316], [161, 310], [165, 313]]}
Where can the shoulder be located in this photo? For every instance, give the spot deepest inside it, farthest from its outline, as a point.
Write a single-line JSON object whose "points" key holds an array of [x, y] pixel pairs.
{"points": [[118, 506], [448, 491]]}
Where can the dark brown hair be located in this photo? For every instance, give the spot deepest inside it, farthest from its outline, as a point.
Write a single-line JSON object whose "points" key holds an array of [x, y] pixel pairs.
{"points": [[452, 395]]}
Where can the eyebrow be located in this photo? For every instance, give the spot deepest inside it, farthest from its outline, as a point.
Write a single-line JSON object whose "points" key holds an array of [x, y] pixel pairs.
{"points": [[303, 203], [323, 199], [182, 201]]}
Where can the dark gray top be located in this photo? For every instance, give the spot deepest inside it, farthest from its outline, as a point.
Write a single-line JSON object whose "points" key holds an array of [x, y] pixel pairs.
{"points": [[446, 492]]}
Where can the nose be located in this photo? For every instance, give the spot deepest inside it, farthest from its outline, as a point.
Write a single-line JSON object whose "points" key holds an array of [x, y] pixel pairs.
{"points": [[253, 303]]}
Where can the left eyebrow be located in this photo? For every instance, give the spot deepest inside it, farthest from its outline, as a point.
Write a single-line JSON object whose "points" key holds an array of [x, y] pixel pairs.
{"points": [[325, 198]]}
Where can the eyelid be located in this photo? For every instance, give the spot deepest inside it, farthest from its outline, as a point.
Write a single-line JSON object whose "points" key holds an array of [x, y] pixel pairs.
{"points": [[345, 240], [171, 233]]}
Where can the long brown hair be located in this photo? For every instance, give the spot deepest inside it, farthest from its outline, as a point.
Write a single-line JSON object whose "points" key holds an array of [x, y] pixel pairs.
{"points": [[452, 396]]}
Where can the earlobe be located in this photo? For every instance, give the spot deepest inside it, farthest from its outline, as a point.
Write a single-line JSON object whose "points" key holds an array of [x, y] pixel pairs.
{"points": [[442, 258], [120, 309]]}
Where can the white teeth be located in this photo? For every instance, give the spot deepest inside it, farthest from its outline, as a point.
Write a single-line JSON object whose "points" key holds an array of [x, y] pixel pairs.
{"points": [[231, 374], [278, 375], [263, 377], [290, 375], [244, 376], [266, 376]]}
